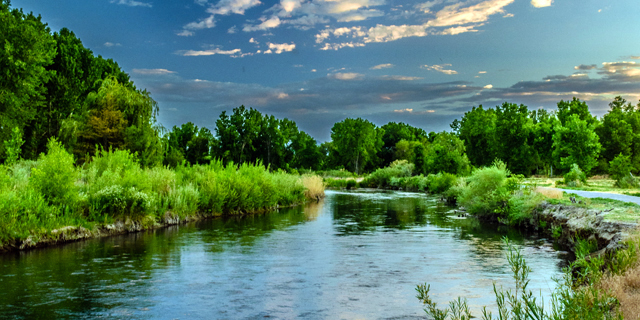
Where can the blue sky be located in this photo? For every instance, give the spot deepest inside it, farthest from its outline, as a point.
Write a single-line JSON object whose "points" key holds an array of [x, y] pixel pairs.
{"points": [[319, 61]]}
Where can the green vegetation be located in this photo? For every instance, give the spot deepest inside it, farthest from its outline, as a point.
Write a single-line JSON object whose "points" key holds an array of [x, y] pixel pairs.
{"points": [[576, 297], [38, 197]]}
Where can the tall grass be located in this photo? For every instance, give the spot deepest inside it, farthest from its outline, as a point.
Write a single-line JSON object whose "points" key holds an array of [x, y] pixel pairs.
{"points": [[37, 197], [568, 300]]}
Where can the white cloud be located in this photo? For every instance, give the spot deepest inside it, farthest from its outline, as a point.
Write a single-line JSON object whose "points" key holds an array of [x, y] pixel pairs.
{"points": [[232, 30], [152, 71], [345, 76], [401, 78], [382, 66], [508, 15], [290, 5], [541, 3], [111, 44], [489, 86], [185, 33], [454, 15], [441, 68], [382, 33], [336, 46], [132, 3], [196, 53], [224, 7], [280, 48], [272, 22], [482, 72]]}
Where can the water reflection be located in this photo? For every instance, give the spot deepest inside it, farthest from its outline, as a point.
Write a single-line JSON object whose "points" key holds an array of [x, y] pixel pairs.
{"points": [[355, 255]]}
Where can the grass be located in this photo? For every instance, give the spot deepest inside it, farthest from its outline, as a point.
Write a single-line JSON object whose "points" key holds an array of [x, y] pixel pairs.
{"points": [[596, 183], [591, 294], [39, 197]]}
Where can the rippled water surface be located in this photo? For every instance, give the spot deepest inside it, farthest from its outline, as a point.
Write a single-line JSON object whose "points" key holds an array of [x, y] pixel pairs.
{"points": [[353, 256]]}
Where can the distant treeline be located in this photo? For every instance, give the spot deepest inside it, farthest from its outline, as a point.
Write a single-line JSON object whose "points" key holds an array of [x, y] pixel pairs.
{"points": [[51, 86]]}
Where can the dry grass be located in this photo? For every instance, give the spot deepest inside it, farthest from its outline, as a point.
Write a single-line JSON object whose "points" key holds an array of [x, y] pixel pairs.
{"points": [[625, 286], [550, 192], [314, 187]]}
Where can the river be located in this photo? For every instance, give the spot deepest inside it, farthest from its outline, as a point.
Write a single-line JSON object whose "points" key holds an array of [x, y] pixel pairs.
{"points": [[354, 255]]}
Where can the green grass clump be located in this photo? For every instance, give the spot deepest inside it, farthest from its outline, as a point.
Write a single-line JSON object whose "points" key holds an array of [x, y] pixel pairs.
{"points": [[569, 300], [37, 198]]}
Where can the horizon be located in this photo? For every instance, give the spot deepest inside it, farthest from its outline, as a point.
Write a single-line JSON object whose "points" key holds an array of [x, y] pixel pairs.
{"points": [[319, 62]]}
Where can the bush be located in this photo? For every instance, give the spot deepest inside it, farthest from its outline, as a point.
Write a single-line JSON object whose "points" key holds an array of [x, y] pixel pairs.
{"points": [[575, 177], [620, 170], [381, 178], [54, 175], [485, 190], [441, 182]]}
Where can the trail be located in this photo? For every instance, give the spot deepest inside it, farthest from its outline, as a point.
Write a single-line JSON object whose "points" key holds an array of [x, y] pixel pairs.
{"points": [[606, 195]]}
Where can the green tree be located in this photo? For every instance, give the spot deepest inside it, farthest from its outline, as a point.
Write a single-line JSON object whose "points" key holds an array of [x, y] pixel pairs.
{"points": [[446, 154], [576, 142], [543, 130], [394, 133], [192, 144], [355, 143], [568, 108], [477, 129], [619, 132], [27, 49], [118, 116], [513, 131]]}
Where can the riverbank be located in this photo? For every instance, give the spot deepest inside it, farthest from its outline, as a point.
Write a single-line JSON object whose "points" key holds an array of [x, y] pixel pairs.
{"points": [[51, 201]]}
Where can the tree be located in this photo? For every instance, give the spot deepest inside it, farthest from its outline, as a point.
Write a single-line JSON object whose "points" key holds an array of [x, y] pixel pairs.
{"points": [[118, 116], [619, 133], [27, 48], [543, 130], [513, 130], [394, 133], [189, 143], [477, 130], [568, 108], [576, 142], [355, 143], [446, 154]]}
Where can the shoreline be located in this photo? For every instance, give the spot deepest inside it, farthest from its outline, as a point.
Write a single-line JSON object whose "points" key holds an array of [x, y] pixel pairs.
{"points": [[70, 234]]}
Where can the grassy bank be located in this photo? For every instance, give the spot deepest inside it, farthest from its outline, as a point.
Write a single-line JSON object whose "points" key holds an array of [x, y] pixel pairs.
{"points": [[39, 198]]}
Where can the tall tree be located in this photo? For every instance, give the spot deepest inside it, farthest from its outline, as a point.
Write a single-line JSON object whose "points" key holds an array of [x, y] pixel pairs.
{"points": [[576, 142], [477, 129], [355, 143], [513, 130], [27, 48]]}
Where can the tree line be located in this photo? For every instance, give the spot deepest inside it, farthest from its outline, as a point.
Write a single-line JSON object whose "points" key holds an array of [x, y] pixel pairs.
{"points": [[52, 87]]}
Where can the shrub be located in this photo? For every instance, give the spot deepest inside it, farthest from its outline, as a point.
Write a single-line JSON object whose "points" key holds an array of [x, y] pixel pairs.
{"points": [[620, 170], [381, 178], [441, 182], [54, 175], [575, 177], [485, 191]]}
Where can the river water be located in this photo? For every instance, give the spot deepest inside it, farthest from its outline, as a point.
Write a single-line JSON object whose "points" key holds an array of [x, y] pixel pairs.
{"points": [[355, 255]]}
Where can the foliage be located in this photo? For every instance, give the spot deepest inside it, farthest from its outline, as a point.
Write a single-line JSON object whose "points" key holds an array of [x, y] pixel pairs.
{"points": [[567, 302], [514, 127], [381, 178], [575, 177], [620, 170], [441, 182], [576, 142], [13, 145], [446, 154], [477, 130], [54, 175], [355, 143]]}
